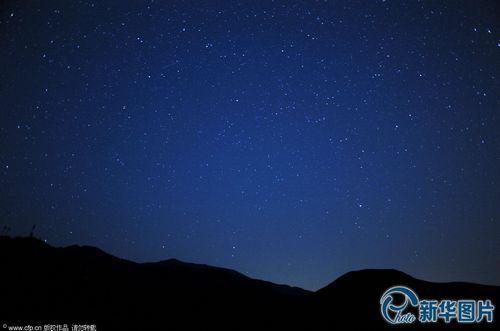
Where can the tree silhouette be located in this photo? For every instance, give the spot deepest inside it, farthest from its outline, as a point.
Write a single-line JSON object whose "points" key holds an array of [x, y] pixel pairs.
{"points": [[33, 231]]}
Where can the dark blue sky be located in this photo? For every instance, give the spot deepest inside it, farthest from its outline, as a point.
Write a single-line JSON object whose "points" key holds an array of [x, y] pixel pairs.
{"points": [[290, 140]]}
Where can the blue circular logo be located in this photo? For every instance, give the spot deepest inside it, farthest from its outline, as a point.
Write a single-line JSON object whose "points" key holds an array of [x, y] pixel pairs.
{"points": [[394, 314]]}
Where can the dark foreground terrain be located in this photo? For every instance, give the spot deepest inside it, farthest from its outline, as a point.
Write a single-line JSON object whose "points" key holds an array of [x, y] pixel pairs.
{"points": [[40, 284]]}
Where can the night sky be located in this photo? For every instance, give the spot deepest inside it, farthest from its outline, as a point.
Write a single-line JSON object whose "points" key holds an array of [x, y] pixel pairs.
{"points": [[292, 141]]}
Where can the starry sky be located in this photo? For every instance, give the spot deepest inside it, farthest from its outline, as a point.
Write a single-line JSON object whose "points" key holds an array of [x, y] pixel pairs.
{"points": [[292, 141]]}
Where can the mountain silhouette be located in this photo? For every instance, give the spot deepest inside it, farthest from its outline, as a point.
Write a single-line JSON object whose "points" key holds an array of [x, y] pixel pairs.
{"points": [[41, 284]]}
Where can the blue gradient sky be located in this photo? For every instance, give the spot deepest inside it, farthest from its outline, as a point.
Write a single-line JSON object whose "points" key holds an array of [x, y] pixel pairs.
{"points": [[290, 140]]}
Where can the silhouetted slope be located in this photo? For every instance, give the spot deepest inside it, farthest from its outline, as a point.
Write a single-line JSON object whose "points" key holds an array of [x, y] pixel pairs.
{"points": [[356, 297], [42, 284]]}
